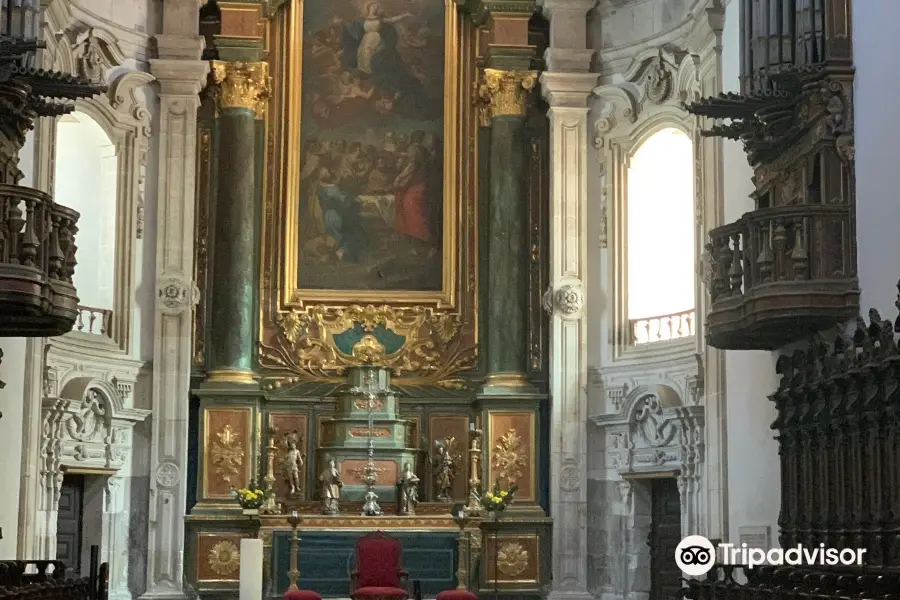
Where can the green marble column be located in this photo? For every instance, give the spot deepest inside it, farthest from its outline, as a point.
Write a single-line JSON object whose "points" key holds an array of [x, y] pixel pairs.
{"points": [[508, 252], [243, 86]]}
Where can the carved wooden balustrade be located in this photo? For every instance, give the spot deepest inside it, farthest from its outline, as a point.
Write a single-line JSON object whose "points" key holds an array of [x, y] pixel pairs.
{"points": [[37, 261], [663, 328], [780, 273], [793, 583]]}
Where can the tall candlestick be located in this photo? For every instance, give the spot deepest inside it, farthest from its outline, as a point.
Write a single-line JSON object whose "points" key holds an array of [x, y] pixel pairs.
{"points": [[294, 573]]}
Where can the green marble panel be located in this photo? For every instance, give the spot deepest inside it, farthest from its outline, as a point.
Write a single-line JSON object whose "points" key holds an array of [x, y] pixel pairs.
{"points": [[326, 558]]}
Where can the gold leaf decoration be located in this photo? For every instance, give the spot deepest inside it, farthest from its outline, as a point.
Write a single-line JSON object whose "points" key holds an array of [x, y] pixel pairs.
{"points": [[224, 558], [509, 458], [304, 348], [512, 559], [227, 454]]}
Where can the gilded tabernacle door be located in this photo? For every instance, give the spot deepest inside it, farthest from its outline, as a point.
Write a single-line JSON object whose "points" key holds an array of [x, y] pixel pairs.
{"points": [[370, 204]]}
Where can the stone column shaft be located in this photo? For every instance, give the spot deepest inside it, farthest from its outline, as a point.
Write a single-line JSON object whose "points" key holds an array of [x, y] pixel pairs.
{"points": [[180, 83], [508, 252], [234, 279], [567, 94]]}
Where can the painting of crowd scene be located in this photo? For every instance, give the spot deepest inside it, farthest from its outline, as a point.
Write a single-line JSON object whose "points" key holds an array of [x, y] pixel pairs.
{"points": [[371, 135]]}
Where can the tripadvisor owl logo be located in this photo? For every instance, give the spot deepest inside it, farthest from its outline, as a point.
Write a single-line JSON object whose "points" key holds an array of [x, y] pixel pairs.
{"points": [[695, 555]]}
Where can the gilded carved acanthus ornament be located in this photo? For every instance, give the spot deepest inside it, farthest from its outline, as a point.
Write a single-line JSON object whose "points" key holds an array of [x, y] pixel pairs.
{"points": [[227, 454], [305, 349], [242, 85], [507, 92], [508, 458]]}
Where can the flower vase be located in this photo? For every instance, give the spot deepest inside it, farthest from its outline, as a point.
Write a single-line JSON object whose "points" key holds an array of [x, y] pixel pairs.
{"points": [[251, 512]]}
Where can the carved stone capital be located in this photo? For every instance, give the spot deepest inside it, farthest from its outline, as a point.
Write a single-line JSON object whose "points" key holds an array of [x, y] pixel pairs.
{"points": [[507, 91], [567, 301], [176, 294], [242, 85]]}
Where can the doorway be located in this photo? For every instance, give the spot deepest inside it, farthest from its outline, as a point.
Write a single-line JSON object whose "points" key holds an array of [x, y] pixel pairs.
{"points": [[69, 522], [665, 533]]}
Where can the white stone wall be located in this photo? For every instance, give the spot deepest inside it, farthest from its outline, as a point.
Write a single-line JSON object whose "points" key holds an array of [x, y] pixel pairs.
{"points": [[754, 484]]}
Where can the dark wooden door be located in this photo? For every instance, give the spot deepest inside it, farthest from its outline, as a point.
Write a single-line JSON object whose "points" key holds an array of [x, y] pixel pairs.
{"points": [[69, 522], [665, 533]]}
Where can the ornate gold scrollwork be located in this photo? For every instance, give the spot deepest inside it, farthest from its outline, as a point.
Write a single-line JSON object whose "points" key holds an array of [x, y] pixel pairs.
{"points": [[227, 454], [431, 352], [224, 558], [512, 559], [242, 85], [507, 91], [509, 457]]}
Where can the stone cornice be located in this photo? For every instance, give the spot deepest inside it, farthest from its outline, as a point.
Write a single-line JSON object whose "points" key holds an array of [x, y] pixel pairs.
{"points": [[570, 90], [550, 6]]}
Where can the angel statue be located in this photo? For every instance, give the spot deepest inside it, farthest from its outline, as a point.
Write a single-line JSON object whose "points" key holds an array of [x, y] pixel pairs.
{"points": [[444, 468], [292, 464], [409, 491], [331, 488]]}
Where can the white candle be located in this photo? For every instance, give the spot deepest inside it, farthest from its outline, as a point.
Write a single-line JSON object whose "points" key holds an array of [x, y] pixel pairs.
{"points": [[471, 426], [251, 586]]}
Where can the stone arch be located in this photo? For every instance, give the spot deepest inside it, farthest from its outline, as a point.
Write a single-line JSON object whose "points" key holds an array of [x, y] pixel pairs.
{"points": [[92, 51]]}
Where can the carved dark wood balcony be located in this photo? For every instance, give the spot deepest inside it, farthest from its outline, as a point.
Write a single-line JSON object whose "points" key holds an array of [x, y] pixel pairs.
{"points": [[781, 273], [37, 250]]}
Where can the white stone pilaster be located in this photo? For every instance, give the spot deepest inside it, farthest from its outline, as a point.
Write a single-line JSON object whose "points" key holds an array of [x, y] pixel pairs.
{"points": [[567, 51], [181, 80], [567, 94]]}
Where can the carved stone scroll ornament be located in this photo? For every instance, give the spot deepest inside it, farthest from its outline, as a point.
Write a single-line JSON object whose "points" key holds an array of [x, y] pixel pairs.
{"points": [[567, 301], [658, 80], [176, 294]]}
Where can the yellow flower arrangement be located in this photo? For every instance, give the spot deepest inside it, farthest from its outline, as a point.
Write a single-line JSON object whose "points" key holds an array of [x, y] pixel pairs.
{"points": [[497, 500], [249, 497]]}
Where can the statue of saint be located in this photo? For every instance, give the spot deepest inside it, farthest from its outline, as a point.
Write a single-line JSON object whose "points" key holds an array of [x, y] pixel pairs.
{"points": [[292, 466], [444, 469], [409, 491], [331, 488]]}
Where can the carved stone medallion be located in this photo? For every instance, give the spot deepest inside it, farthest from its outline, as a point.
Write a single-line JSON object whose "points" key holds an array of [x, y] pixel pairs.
{"points": [[567, 301], [167, 474], [176, 294]]}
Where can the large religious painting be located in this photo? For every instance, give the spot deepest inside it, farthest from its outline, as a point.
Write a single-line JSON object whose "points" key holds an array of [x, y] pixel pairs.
{"points": [[370, 202], [371, 129]]}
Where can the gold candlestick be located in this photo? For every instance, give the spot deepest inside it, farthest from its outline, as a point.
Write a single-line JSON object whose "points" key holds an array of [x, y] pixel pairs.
{"points": [[294, 573], [462, 518], [474, 507], [270, 507]]}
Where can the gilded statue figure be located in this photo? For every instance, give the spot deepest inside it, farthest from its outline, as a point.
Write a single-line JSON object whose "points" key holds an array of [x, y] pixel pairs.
{"points": [[331, 488], [409, 491], [292, 466], [444, 469]]}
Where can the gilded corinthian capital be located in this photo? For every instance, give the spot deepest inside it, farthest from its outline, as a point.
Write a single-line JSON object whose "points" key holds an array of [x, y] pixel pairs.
{"points": [[507, 91], [242, 85]]}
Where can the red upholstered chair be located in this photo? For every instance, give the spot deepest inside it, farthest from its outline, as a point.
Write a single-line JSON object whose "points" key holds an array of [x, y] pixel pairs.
{"points": [[457, 595], [379, 573], [301, 595]]}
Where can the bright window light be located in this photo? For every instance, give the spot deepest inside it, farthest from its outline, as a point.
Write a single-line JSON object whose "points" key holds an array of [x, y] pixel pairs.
{"points": [[660, 245]]}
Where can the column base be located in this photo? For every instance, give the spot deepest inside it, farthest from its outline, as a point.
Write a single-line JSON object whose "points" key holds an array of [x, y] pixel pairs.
{"points": [[230, 377], [569, 595], [505, 384], [163, 594]]}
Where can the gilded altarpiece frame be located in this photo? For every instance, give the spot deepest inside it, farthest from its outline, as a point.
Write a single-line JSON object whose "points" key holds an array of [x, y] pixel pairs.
{"points": [[428, 337]]}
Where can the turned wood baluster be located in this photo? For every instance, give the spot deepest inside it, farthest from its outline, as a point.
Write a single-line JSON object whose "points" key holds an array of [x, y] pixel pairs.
{"points": [[723, 263], [736, 272], [14, 222], [765, 260], [54, 252], [29, 237], [799, 256]]}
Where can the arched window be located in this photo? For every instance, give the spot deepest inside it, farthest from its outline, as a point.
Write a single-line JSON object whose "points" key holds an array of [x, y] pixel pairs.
{"points": [[86, 170], [660, 246]]}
